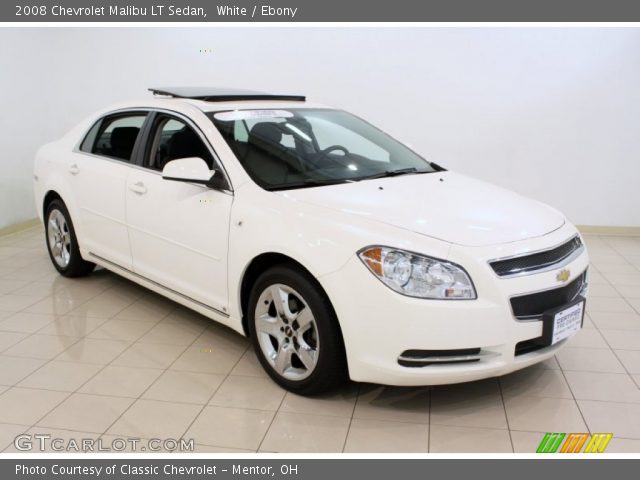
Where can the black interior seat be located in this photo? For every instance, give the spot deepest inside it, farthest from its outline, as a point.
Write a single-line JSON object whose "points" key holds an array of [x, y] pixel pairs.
{"points": [[122, 140], [186, 143], [264, 156]]}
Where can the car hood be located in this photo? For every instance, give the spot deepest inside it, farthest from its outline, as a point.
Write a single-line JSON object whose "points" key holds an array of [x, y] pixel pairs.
{"points": [[442, 205]]}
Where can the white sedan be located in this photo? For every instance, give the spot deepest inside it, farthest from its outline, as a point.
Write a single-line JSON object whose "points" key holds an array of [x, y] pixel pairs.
{"points": [[338, 250]]}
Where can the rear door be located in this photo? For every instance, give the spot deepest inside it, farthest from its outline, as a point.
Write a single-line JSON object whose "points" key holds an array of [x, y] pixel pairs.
{"points": [[179, 231], [99, 174]]}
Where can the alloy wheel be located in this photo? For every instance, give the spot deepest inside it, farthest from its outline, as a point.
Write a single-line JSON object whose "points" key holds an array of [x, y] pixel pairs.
{"points": [[287, 332], [59, 238]]}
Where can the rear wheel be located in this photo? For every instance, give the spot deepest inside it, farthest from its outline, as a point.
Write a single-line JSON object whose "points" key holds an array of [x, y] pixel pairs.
{"points": [[62, 243], [295, 332]]}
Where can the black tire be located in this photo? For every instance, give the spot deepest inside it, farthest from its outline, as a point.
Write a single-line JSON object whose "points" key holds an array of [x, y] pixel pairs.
{"points": [[76, 266], [331, 367]]}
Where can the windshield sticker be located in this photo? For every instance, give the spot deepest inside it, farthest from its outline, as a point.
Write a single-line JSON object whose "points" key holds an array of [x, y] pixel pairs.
{"points": [[249, 114]]}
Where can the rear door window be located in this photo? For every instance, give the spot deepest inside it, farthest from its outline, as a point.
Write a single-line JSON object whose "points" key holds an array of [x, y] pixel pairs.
{"points": [[115, 136]]}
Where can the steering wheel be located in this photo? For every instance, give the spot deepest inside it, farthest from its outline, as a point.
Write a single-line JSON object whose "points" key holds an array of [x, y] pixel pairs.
{"points": [[333, 148]]}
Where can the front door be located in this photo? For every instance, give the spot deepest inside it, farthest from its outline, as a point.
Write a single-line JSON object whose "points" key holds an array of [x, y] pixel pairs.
{"points": [[178, 231]]}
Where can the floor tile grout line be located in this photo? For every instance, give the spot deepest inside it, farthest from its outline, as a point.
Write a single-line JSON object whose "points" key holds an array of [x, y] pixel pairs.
{"points": [[636, 310], [567, 380], [207, 403], [47, 362], [610, 348], [616, 402], [52, 295], [8, 347], [23, 266], [15, 385], [139, 397], [104, 367], [62, 400], [613, 351], [353, 409], [471, 427], [154, 382], [112, 287], [273, 419], [506, 417], [607, 241], [56, 317], [69, 394], [134, 367], [28, 283], [575, 400], [253, 409], [48, 296], [36, 332]]}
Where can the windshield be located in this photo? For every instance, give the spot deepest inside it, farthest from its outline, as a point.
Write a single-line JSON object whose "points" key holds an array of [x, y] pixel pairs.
{"points": [[296, 148]]}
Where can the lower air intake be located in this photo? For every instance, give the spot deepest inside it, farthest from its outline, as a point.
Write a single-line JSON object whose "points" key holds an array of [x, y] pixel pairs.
{"points": [[423, 358]]}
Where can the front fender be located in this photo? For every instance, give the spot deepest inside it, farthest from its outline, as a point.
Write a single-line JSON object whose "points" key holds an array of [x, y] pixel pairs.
{"points": [[320, 239]]}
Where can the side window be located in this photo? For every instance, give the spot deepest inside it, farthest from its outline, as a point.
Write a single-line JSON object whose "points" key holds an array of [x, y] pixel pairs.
{"points": [[173, 139], [116, 136], [90, 139]]}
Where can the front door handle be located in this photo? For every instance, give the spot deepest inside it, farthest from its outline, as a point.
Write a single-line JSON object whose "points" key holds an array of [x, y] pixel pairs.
{"points": [[74, 170], [138, 188]]}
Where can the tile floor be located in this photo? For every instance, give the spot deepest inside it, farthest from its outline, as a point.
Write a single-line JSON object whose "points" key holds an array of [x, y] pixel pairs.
{"points": [[102, 357]]}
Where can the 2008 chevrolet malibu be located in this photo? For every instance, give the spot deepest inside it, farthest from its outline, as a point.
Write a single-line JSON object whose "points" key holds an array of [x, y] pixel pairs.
{"points": [[338, 250]]}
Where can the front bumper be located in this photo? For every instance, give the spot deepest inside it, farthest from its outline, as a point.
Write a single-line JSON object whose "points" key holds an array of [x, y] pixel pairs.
{"points": [[378, 324]]}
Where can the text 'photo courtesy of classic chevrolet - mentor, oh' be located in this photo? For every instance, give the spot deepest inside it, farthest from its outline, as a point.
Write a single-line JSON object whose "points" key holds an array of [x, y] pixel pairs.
{"points": [[339, 251]]}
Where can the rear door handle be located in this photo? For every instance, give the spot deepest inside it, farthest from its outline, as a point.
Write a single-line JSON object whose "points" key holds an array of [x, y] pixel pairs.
{"points": [[138, 188], [74, 170]]}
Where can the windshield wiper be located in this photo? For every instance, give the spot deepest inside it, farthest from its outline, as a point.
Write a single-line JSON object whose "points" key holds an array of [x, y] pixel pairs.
{"points": [[306, 184], [320, 183], [391, 173]]}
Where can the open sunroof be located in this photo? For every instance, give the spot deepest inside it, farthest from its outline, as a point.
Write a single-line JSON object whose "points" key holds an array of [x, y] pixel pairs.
{"points": [[212, 94]]}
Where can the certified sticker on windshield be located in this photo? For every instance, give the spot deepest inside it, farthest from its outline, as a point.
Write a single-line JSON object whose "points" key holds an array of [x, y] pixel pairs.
{"points": [[234, 115]]}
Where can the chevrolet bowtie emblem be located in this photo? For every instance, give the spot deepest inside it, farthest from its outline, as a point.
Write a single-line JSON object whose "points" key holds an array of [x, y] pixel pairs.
{"points": [[563, 275]]}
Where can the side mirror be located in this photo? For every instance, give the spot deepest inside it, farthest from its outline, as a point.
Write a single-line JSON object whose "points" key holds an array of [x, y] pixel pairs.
{"points": [[192, 169]]}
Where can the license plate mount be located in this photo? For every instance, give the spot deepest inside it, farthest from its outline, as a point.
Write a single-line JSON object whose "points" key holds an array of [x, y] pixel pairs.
{"points": [[563, 322]]}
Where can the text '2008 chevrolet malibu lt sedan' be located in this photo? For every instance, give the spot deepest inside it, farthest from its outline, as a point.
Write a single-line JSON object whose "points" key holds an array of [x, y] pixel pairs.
{"points": [[339, 251]]}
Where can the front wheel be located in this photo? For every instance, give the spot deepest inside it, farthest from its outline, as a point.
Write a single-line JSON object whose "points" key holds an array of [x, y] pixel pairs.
{"points": [[295, 332], [62, 243]]}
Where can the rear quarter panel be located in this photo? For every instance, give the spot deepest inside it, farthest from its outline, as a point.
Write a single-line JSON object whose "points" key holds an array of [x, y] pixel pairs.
{"points": [[51, 173]]}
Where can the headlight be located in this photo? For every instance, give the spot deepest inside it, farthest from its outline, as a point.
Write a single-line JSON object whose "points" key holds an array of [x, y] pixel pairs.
{"points": [[417, 275]]}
